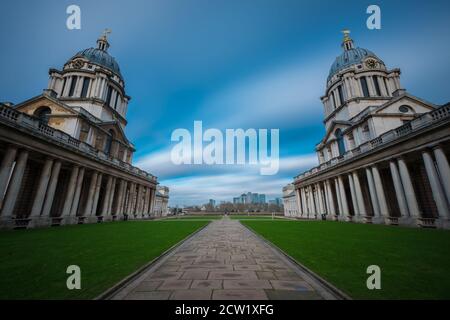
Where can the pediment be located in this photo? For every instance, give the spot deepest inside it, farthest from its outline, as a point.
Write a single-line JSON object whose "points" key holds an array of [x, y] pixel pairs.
{"points": [[57, 107]]}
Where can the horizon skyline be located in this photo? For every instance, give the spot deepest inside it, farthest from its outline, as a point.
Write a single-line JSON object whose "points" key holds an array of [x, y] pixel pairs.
{"points": [[272, 77]]}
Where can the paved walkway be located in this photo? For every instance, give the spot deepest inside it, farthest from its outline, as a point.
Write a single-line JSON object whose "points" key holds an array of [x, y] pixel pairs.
{"points": [[224, 261]]}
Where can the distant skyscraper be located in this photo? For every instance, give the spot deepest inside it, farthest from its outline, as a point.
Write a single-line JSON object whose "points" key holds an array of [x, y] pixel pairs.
{"points": [[262, 198], [212, 202]]}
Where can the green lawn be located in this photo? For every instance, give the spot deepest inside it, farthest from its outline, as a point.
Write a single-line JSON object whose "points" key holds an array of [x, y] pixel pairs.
{"points": [[245, 217], [415, 263], [199, 217], [33, 263]]}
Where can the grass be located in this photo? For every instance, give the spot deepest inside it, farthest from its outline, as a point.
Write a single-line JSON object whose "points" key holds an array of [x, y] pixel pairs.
{"points": [[414, 263], [33, 263], [200, 217], [251, 217]]}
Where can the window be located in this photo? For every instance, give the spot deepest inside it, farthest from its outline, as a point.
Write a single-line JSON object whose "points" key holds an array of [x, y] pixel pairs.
{"points": [[108, 96], [364, 87], [334, 100], [340, 141], [386, 86], [341, 95], [377, 85], [63, 86], [43, 113], [72, 86], [108, 144], [404, 108], [85, 87], [115, 103]]}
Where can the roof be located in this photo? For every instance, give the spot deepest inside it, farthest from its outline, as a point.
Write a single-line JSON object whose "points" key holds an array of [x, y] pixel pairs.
{"points": [[100, 57]]}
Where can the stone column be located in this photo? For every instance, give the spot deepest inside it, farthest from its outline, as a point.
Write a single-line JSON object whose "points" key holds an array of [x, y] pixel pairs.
{"points": [[338, 197], [76, 197], [105, 203], [111, 197], [139, 201], [131, 200], [373, 194], [51, 189], [359, 196], [5, 170], [330, 198], [42, 188], [70, 191], [438, 193], [299, 202], [312, 202], [98, 186], [353, 195], [384, 211], [123, 204], [346, 211], [400, 194], [14, 185], [91, 195], [117, 209], [411, 200], [152, 200], [444, 170], [304, 203], [320, 198]]}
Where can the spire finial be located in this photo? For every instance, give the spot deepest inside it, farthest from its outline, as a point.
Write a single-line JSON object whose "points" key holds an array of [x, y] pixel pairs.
{"points": [[102, 42], [347, 43]]}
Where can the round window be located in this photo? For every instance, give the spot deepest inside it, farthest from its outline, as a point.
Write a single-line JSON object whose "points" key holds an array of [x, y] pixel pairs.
{"points": [[403, 109]]}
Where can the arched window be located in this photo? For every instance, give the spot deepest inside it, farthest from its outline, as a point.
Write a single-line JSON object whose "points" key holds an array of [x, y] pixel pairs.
{"points": [[43, 113], [109, 139], [340, 141]]}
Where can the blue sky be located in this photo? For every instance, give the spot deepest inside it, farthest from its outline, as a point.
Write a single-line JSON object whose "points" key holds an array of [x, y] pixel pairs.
{"points": [[230, 63]]}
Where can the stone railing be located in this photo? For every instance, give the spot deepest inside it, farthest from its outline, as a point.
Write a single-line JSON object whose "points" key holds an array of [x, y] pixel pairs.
{"points": [[409, 127], [9, 115]]}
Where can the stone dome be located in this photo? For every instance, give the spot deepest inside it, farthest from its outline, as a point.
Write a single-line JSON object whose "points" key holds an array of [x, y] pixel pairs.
{"points": [[101, 58], [349, 57]]}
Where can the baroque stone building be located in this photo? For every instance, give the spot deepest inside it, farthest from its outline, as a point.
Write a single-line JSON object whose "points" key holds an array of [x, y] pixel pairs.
{"points": [[290, 201], [384, 156], [161, 208], [65, 158]]}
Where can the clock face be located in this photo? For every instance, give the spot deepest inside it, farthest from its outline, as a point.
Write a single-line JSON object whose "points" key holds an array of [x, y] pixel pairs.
{"points": [[78, 64], [371, 63]]}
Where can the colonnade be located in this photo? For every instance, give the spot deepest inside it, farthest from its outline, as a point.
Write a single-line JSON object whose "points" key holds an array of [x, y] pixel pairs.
{"points": [[61, 192], [388, 192]]}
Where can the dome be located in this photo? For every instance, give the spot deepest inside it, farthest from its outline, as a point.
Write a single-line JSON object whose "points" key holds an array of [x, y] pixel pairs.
{"points": [[348, 58], [100, 57]]}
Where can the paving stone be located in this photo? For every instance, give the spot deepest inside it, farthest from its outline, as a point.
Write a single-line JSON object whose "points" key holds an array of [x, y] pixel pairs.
{"points": [[163, 275], [175, 284], [148, 286], [207, 284], [246, 284], [291, 285], [244, 267], [232, 275], [195, 275], [287, 275], [225, 261], [239, 295], [266, 275], [191, 294]]}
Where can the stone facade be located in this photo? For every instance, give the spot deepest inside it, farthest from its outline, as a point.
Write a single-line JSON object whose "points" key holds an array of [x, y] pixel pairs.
{"points": [[64, 155], [290, 201], [384, 157], [161, 207]]}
